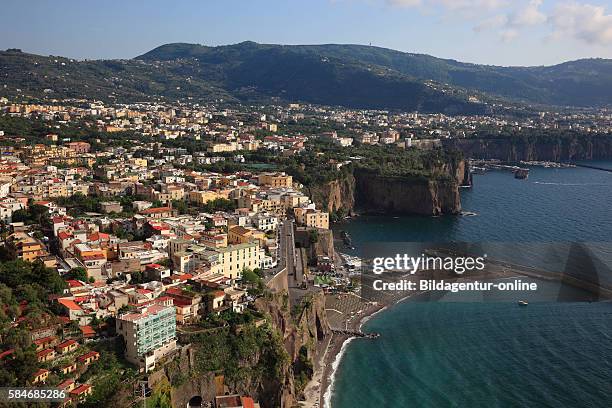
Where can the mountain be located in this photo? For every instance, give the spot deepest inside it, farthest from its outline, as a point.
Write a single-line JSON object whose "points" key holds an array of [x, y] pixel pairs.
{"points": [[348, 75]]}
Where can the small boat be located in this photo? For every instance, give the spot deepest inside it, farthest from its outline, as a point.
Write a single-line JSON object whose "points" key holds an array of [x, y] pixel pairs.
{"points": [[468, 213], [523, 303]]}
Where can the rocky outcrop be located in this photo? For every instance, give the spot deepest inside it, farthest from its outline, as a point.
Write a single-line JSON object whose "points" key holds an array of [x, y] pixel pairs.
{"points": [[370, 192], [324, 245], [303, 326], [396, 195], [514, 149], [337, 195]]}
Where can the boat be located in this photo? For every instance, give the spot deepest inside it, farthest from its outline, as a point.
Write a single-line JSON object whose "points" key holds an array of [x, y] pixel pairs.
{"points": [[523, 303], [468, 213]]}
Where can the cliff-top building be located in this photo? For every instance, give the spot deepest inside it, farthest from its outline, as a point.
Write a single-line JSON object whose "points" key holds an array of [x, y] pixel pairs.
{"points": [[149, 334]]}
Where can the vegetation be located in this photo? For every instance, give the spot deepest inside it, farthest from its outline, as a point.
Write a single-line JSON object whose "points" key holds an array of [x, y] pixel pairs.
{"points": [[303, 370], [253, 354], [319, 163]]}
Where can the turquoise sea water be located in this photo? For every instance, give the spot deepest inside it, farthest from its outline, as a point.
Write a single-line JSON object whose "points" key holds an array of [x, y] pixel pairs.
{"points": [[494, 354]]}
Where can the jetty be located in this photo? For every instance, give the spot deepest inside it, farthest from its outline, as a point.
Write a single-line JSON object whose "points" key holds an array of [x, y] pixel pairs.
{"points": [[588, 166], [484, 165]]}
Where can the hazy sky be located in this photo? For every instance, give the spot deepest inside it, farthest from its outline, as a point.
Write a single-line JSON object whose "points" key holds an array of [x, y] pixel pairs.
{"points": [[501, 32]]}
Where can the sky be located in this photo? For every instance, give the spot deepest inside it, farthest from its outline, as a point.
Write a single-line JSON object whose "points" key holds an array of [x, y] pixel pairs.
{"points": [[497, 32]]}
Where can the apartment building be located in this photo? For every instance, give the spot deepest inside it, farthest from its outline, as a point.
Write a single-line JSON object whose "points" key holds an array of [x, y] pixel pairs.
{"points": [[149, 333], [275, 180], [310, 217], [22, 246]]}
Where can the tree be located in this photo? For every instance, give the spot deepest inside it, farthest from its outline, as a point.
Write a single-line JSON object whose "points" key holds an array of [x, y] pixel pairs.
{"points": [[79, 273]]}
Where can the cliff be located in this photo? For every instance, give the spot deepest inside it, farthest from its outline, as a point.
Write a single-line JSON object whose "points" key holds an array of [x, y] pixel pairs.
{"points": [[372, 192], [264, 359], [301, 329], [336, 196], [549, 148], [391, 195]]}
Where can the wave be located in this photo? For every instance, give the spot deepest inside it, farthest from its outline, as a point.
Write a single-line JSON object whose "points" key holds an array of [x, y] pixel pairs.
{"points": [[332, 376]]}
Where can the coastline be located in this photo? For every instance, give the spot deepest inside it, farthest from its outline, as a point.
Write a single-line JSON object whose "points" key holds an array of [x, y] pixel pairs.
{"points": [[319, 391]]}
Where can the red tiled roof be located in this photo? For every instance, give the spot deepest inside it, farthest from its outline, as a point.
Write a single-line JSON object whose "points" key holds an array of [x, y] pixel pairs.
{"points": [[87, 355], [73, 283], [87, 331], [44, 340], [69, 304], [80, 389], [153, 265], [44, 352], [65, 384], [156, 210], [66, 344], [247, 402], [62, 235], [39, 372]]}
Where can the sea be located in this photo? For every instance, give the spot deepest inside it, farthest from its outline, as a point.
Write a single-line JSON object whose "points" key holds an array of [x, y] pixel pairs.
{"points": [[465, 352]]}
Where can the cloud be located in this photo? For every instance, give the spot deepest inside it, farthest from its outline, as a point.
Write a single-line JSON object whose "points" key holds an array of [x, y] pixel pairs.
{"points": [[528, 16], [452, 5], [471, 4], [508, 35], [491, 23], [404, 3], [509, 24], [584, 22]]}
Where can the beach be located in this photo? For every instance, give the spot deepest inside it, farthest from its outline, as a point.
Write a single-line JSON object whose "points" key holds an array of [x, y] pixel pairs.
{"points": [[347, 312]]}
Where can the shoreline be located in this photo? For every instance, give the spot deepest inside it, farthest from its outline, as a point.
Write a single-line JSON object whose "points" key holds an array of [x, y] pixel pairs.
{"points": [[319, 391], [349, 311]]}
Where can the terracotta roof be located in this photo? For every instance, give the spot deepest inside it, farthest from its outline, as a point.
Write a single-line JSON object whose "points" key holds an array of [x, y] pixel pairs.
{"points": [[66, 344], [80, 389], [156, 210], [65, 384], [87, 355], [69, 304], [44, 340], [73, 283], [87, 331], [40, 372], [247, 402], [45, 352]]}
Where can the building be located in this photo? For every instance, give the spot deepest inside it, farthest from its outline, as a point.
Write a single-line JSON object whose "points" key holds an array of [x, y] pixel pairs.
{"points": [[46, 355], [111, 207], [149, 334], [81, 392], [187, 304], [158, 212], [88, 358], [275, 180], [68, 368], [40, 376], [79, 147], [311, 218], [235, 401], [22, 246], [233, 259], [243, 235], [67, 346]]}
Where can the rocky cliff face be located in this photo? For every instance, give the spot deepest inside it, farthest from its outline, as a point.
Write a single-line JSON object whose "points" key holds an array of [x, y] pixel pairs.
{"points": [[391, 195], [305, 328], [374, 193], [517, 149], [336, 195]]}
